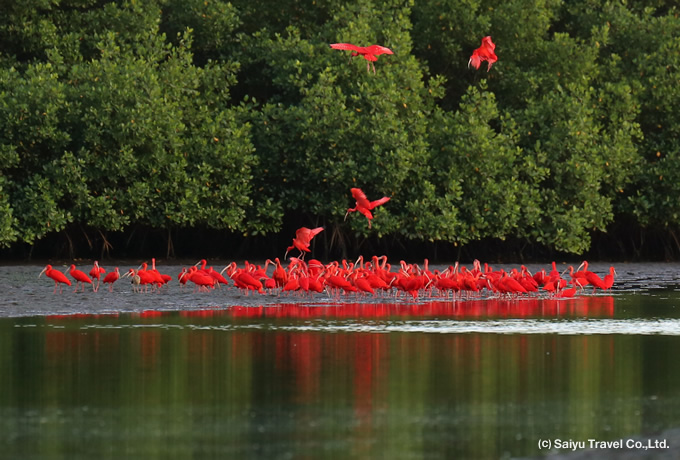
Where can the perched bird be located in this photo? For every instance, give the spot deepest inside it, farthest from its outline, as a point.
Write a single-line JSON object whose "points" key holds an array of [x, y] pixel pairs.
{"points": [[303, 237], [370, 53], [484, 53], [363, 205]]}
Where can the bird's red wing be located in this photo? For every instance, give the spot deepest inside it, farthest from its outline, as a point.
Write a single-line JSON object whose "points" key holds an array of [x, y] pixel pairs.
{"points": [[382, 200], [56, 275], [377, 50], [365, 211], [345, 46], [488, 44], [305, 235], [315, 231], [484, 53], [475, 61], [360, 197], [370, 57], [301, 245]]}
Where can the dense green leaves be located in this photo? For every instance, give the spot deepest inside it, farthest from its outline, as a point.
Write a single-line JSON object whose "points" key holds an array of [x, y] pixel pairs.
{"points": [[234, 115]]}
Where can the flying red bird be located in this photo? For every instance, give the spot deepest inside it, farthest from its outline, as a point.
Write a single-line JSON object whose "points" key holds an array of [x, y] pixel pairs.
{"points": [[363, 205], [370, 53], [484, 53], [303, 237]]}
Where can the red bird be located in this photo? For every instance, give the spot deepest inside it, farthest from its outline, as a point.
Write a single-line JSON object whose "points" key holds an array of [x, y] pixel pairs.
{"points": [[96, 273], [363, 205], [111, 278], [303, 237], [484, 53], [370, 53], [57, 276], [80, 277]]}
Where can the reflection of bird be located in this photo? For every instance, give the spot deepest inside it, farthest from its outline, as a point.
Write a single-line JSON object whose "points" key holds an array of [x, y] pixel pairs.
{"points": [[57, 276], [80, 277], [303, 237], [370, 53], [363, 205], [484, 53]]}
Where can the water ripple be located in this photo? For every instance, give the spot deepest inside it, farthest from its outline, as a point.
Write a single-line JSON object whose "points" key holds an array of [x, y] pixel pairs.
{"points": [[510, 326]]}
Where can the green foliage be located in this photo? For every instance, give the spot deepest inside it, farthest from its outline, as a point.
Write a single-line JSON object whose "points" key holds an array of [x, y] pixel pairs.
{"points": [[233, 115]]}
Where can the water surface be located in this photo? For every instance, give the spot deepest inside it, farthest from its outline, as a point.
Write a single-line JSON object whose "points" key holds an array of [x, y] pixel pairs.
{"points": [[182, 374]]}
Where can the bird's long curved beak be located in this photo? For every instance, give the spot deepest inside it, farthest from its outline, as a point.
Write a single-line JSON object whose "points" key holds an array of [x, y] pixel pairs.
{"points": [[43, 271]]}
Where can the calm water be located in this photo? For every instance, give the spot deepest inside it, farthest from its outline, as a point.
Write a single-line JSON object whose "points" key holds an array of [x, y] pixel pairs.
{"points": [[179, 374]]}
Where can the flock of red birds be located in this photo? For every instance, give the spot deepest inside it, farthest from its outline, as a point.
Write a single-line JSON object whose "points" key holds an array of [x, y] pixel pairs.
{"points": [[486, 52], [376, 277], [362, 278]]}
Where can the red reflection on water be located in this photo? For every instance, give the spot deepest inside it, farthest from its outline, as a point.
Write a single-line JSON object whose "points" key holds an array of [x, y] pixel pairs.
{"points": [[363, 368], [598, 306], [70, 316]]}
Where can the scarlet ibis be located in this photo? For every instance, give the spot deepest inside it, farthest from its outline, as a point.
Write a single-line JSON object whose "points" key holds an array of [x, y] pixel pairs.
{"points": [[202, 280], [567, 292], [363, 205], [370, 53], [161, 277], [303, 237], [95, 274], [609, 278], [280, 276], [484, 53], [57, 277], [80, 277], [111, 278]]}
